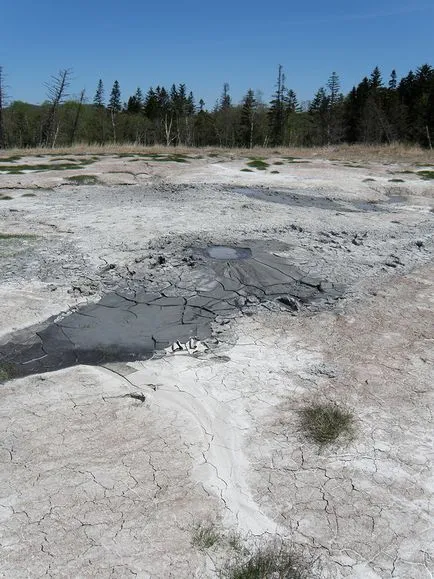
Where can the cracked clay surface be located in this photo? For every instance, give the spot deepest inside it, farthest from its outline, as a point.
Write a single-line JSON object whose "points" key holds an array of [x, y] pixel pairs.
{"points": [[113, 450]]}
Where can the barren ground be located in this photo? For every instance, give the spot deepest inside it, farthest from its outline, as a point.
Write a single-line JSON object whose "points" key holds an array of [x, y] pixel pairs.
{"points": [[96, 483]]}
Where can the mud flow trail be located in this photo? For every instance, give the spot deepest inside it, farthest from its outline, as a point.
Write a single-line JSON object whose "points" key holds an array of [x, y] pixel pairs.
{"points": [[162, 333]]}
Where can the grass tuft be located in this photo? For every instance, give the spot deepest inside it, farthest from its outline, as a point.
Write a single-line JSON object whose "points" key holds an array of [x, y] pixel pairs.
{"points": [[269, 563], [8, 371], [325, 423], [205, 536], [83, 180]]}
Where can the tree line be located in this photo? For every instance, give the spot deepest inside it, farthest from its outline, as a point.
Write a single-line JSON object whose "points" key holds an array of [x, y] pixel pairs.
{"points": [[374, 111]]}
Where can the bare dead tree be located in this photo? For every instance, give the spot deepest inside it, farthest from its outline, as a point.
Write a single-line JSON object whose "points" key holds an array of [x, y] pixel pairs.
{"points": [[56, 92], [77, 116], [2, 104]]}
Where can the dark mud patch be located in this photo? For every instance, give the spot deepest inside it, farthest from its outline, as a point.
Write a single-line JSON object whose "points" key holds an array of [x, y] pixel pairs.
{"points": [[133, 324], [299, 199], [225, 252]]}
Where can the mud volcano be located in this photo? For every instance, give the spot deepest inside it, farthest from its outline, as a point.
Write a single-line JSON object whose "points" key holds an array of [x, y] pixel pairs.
{"points": [[133, 324]]}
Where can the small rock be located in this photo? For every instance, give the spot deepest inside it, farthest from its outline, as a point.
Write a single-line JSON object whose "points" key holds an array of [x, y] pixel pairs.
{"points": [[252, 300], [289, 302]]}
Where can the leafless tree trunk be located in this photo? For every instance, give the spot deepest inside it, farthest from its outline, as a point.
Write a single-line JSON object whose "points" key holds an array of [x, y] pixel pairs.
{"points": [[168, 129], [428, 136], [113, 118], [77, 117], [56, 92], [2, 102]]}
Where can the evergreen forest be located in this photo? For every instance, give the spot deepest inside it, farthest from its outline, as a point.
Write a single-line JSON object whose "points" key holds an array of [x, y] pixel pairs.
{"points": [[377, 110]]}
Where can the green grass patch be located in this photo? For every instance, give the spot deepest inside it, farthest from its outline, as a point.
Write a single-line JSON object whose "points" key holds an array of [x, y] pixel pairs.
{"points": [[8, 371], [325, 423], [159, 157], [5, 198], [22, 169], [278, 163], [28, 195], [83, 180], [205, 536], [245, 170], [426, 174], [7, 236], [10, 159], [396, 181], [258, 163]]}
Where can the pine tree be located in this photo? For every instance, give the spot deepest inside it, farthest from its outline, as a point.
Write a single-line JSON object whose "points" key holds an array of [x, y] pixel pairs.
{"points": [[135, 102], [98, 99], [376, 81], [335, 99], [393, 81], [319, 113], [247, 124], [115, 106], [225, 99]]}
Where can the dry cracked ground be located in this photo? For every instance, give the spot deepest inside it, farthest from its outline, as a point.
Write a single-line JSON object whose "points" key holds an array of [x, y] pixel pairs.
{"points": [[308, 281]]}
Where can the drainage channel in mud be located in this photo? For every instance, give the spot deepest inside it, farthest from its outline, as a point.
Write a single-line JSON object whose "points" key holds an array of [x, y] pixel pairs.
{"points": [[130, 325]]}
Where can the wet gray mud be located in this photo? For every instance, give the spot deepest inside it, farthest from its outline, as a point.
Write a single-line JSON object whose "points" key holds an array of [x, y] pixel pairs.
{"points": [[297, 198], [132, 324]]}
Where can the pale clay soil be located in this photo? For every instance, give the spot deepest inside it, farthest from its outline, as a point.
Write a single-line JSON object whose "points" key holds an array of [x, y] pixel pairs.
{"points": [[96, 484]]}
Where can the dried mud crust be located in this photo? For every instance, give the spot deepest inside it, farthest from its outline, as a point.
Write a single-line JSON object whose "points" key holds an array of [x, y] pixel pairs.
{"points": [[108, 471]]}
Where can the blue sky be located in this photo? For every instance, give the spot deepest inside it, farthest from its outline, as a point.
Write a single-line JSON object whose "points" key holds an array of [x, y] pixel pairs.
{"points": [[205, 44]]}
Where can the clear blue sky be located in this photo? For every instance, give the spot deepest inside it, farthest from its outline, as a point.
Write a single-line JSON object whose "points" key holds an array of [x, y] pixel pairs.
{"points": [[205, 44]]}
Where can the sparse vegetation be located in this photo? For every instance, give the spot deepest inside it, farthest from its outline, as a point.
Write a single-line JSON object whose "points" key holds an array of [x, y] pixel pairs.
{"points": [[396, 181], [5, 198], [368, 179], [205, 536], [83, 180], [8, 371], [8, 236], [271, 562], [325, 423], [245, 170], [258, 163], [274, 172], [426, 174], [38, 168]]}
